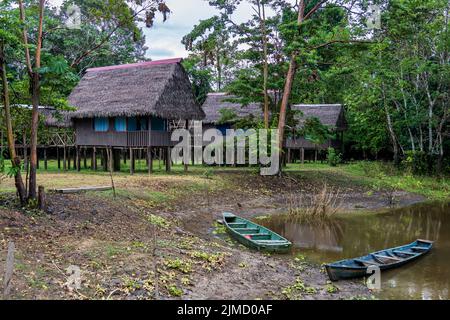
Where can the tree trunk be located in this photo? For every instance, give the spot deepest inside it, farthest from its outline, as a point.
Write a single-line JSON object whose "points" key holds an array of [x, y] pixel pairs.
{"points": [[35, 87], [392, 134], [262, 17], [289, 80], [15, 161], [33, 141], [42, 201]]}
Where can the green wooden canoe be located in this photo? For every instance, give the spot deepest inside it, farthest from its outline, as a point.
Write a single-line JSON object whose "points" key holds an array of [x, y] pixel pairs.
{"points": [[253, 235]]}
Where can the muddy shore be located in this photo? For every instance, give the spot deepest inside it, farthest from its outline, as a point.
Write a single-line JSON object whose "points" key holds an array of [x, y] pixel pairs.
{"points": [[113, 241]]}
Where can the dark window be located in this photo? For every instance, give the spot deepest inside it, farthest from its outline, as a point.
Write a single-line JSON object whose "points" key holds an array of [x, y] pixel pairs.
{"points": [[137, 124], [101, 124], [158, 124], [120, 124]]}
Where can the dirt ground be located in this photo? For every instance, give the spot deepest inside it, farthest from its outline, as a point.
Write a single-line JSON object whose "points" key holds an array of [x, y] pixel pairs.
{"points": [[157, 240]]}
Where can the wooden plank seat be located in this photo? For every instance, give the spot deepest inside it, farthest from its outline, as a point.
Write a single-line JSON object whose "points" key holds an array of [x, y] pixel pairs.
{"points": [[404, 252], [272, 241], [237, 225], [419, 248], [247, 230], [379, 256], [367, 263]]}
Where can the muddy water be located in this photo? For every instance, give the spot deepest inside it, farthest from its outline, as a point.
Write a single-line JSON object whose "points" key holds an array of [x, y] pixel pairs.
{"points": [[355, 235]]}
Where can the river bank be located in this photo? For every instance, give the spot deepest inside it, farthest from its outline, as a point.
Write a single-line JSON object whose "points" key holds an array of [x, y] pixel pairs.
{"points": [[113, 240]]}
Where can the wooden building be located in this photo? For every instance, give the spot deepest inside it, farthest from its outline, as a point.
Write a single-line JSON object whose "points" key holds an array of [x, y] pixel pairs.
{"points": [[331, 115], [215, 105], [130, 107]]}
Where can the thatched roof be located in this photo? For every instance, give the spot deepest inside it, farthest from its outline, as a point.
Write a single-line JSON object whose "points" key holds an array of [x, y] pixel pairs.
{"points": [[158, 88], [331, 115], [218, 101]]}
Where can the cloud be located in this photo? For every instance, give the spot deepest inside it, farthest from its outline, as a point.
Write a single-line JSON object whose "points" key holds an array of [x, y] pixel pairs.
{"points": [[157, 53], [164, 38], [185, 14]]}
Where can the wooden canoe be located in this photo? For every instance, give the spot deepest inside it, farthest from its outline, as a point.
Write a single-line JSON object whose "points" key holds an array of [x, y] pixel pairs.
{"points": [[384, 259], [253, 235]]}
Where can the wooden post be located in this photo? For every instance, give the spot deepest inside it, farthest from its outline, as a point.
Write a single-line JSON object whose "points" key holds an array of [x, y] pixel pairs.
{"points": [[78, 158], [315, 155], [9, 270], [58, 158], [64, 158], [289, 156], [168, 159], [116, 158], [94, 159], [45, 159], [42, 202], [105, 159], [85, 157], [132, 163], [69, 156], [149, 160]]}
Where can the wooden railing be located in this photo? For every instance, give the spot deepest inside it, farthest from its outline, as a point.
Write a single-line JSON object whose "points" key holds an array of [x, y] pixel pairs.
{"points": [[125, 139]]}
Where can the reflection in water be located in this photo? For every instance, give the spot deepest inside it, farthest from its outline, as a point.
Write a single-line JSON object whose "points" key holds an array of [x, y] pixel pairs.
{"points": [[357, 235], [326, 236]]}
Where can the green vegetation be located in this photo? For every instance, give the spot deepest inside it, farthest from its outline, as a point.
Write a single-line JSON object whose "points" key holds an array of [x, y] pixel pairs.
{"points": [[295, 291], [178, 264], [376, 175]]}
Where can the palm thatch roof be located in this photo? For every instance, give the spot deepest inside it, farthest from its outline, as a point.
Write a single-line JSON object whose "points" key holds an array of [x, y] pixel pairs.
{"points": [[159, 88], [331, 115], [215, 102]]}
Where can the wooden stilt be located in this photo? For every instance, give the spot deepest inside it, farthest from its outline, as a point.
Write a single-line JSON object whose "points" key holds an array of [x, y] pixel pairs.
{"points": [[85, 158], [69, 158], [132, 162], [315, 155], [64, 158], [105, 159], [78, 158], [149, 160], [58, 158], [116, 159], [168, 159], [94, 159]]}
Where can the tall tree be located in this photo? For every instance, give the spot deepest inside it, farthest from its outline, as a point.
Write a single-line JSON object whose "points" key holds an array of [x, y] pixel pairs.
{"points": [[8, 22], [116, 12]]}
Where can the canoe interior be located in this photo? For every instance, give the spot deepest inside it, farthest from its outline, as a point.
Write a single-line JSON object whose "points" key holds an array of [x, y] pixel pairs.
{"points": [[384, 259], [254, 235]]}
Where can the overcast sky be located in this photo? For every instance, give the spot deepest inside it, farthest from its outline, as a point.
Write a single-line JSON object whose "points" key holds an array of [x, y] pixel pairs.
{"points": [[164, 39]]}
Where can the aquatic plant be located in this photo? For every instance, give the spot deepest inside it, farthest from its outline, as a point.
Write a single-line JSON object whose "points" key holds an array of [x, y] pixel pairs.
{"points": [[314, 207]]}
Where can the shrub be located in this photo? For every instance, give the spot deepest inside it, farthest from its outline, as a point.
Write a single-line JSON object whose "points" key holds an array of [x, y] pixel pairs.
{"points": [[416, 162], [333, 158]]}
